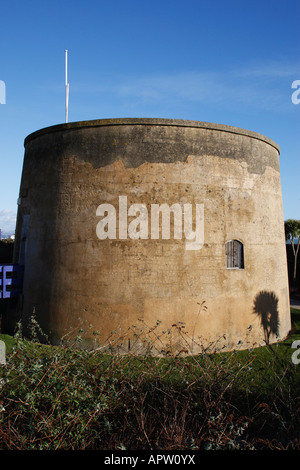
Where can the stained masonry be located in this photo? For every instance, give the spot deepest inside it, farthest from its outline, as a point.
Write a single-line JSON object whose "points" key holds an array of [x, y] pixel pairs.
{"points": [[73, 279]]}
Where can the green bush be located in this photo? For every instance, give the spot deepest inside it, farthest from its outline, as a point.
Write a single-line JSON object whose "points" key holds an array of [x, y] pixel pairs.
{"points": [[68, 398]]}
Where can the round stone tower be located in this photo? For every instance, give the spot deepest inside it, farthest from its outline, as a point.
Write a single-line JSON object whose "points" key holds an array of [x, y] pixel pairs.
{"points": [[153, 233]]}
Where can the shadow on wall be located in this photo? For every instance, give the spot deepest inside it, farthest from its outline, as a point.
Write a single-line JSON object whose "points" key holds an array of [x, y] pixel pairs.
{"points": [[266, 306]]}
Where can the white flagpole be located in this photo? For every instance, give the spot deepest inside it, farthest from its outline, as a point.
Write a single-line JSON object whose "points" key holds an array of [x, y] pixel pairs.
{"points": [[66, 84]]}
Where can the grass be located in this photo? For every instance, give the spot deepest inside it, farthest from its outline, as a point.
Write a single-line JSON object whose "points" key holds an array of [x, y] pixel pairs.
{"points": [[295, 315], [67, 398]]}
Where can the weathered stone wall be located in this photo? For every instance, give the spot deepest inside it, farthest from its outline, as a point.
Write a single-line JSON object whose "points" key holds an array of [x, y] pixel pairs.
{"points": [[74, 279]]}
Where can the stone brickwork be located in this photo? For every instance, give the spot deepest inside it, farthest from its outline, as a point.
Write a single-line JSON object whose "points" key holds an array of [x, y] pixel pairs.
{"points": [[75, 279]]}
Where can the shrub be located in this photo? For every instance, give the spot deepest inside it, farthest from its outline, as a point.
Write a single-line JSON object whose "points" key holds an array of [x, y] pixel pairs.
{"points": [[69, 398]]}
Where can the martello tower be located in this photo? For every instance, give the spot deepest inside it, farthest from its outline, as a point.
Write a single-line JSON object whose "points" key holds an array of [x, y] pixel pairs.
{"points": [[73, 175]]}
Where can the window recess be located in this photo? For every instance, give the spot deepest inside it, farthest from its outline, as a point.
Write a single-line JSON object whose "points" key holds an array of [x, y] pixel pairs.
{"points": [[234, 251]]}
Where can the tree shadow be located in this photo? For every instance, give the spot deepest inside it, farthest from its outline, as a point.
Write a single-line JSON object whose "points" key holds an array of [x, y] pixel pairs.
{"points": [[266, 306]]}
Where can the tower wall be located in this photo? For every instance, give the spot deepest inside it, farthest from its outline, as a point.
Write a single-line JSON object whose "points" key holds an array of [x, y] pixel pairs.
{"points": [[121, 286]]}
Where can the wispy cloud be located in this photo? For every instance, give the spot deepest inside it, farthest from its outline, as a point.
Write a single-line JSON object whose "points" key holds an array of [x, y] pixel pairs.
{"points": [[7, 220], [270, 70], [265, 86]]}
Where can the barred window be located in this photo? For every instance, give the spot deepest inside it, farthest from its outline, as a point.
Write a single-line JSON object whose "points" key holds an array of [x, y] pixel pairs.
{"points": [[234, 251]]}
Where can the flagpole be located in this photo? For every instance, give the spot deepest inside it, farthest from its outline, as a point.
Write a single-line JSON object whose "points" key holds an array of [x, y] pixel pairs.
{"points": [[66, 84]]}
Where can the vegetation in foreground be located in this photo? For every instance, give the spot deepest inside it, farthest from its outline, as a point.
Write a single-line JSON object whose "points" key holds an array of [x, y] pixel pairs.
{"points": [[68, 398]]}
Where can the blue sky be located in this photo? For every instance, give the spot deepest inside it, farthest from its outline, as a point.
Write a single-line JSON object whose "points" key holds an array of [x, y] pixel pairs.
{"points": [[229, 62]]}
